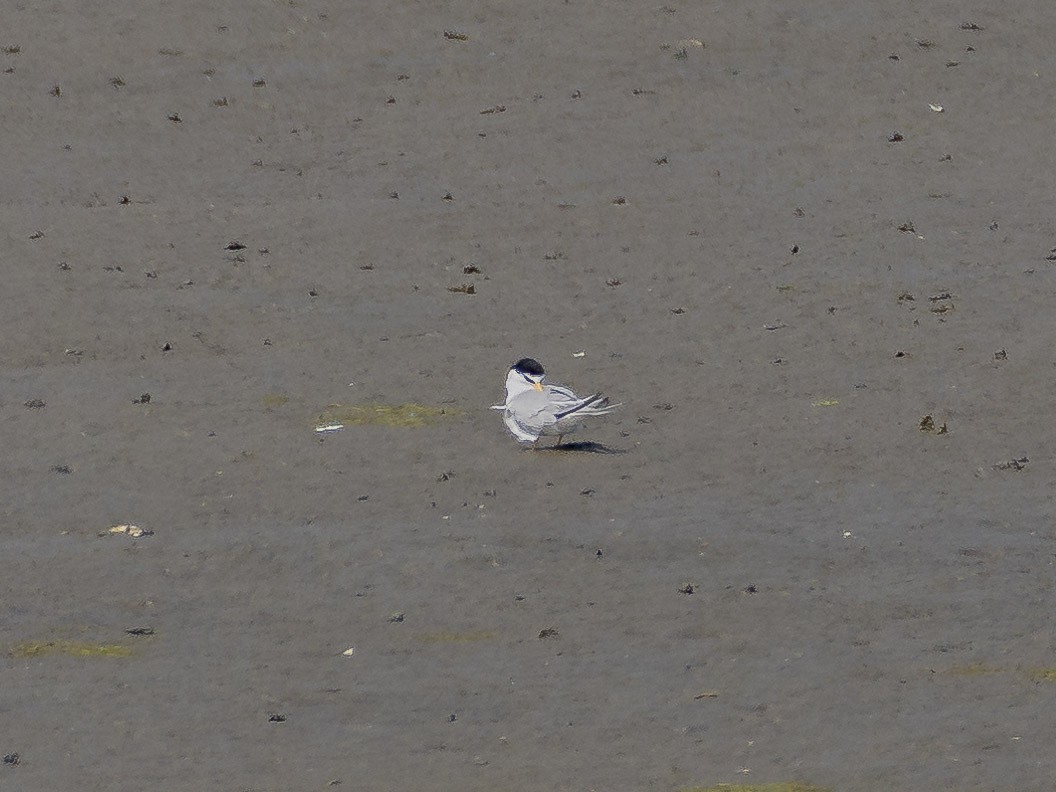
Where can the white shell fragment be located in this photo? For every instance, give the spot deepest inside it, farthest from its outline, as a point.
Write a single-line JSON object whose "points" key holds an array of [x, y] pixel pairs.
{"points": [[349, 651], [937, 108], [330, 428], [580, 353], [131, 530]]}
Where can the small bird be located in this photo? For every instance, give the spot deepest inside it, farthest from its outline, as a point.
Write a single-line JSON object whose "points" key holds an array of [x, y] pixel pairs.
{"points": [[533, 409]]}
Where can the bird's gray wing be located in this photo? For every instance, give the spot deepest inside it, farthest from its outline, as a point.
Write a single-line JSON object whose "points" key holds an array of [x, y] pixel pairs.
{"points": [[594, 402]]}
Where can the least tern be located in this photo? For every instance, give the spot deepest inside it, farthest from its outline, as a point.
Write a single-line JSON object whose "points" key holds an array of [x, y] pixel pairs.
{"points": [[533, 409]]}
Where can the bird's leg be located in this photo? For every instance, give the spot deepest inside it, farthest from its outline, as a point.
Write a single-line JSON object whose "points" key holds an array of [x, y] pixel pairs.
{"points": [[558, 443]]}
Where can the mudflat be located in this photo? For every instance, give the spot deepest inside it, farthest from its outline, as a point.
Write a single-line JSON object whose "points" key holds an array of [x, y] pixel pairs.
{"points": [[810, 250]]}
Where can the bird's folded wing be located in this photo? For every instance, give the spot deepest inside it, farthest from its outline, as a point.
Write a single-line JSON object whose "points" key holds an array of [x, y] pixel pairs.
{"points": [[594, 401]]}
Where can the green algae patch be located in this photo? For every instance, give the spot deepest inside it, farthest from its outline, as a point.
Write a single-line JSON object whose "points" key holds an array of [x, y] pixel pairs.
{"points": [[973, 670], [1043, 674], [70, 648], [455, 637], [408, 415], [272, 401], [781, 786]]}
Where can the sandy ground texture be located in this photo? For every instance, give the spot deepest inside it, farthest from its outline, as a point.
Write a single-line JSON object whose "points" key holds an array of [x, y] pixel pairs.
{"points": [[782, 236]]}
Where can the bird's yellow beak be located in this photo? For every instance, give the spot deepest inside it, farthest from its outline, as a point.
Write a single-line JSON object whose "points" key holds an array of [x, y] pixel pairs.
{"points": [[538, 386]]}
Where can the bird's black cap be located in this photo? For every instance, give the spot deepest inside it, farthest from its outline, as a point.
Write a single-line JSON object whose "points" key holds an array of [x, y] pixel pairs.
{"points": [[529, 366]]}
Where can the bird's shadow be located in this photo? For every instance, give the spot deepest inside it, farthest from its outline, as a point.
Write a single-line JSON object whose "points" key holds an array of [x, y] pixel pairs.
{"points": [[582, 447]]}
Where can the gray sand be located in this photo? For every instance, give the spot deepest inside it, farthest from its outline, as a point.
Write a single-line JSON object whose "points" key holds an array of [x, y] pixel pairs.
{"points": [[776, 286]]}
